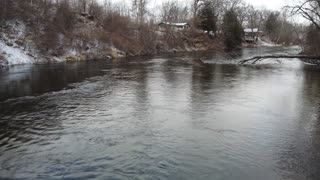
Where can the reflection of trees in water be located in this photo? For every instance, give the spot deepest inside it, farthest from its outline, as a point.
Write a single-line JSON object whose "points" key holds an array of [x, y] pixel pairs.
{"points": [[301, 156], [38, 79], [215, 76], [35, 120], [312, 97], [13, 81], [137, 71], [175, 68], [220, 56], [208, 83], [32, 119], [236, 54]]}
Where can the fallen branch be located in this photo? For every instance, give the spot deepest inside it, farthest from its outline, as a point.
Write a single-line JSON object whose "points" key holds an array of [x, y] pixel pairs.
{"points": [[260, 58]]}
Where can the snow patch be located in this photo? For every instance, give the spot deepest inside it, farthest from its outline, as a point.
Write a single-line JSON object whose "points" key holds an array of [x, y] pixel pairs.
{"points": [[12, 51], [19, 28], [14, 55], [267, 44]]}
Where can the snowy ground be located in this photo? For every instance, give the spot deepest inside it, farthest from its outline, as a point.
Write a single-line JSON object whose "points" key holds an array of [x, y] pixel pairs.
{"points": [[15, 55], [267, 44]]}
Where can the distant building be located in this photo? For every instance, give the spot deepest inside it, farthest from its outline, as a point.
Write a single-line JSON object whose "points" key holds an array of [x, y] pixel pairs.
{"points": [[176, 26], [252, 35]]}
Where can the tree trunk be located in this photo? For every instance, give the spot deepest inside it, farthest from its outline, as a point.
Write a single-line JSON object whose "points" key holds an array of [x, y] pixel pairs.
{"points": [[260, 58]]}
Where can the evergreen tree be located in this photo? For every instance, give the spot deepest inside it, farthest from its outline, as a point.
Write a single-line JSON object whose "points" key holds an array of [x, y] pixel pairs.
{"points": [[233, 31], [272, 26], [208, 19]]}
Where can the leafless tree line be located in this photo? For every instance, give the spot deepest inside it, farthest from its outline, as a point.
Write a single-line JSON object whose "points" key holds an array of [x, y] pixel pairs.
{"points": [[135, 19], [310, 11]]}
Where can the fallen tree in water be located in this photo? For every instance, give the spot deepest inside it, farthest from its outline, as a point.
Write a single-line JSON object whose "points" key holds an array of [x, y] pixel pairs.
{"points": [[315, 59]]}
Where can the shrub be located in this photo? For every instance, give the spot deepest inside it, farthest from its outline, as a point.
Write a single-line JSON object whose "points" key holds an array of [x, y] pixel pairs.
{"points": [[114, 22], [64, 18], [233, 31], [60, 25], [96, 10], [147, 39]]}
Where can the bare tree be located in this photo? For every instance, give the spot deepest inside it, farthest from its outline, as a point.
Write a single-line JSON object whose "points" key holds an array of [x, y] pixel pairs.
{"points": [[82, 5], [172, 11], [232, 4], [139, 8], [253, 17], [96, 10], [309, 9], [195, 7], [243, 12]]}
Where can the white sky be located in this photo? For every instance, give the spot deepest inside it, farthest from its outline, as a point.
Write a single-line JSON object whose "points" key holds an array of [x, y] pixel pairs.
{"points": [[154, 5], [277, 5], [269, 4]]}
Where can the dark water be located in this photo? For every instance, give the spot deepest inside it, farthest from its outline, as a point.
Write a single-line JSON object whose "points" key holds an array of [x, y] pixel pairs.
{"points": [[161, 118]]}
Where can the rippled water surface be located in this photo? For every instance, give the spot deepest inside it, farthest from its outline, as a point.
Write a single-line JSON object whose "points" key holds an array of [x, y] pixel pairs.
{"points": [[161, 118]]}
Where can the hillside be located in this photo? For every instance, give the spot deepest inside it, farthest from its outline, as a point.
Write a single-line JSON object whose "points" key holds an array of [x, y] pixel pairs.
{"points": [[23, 42]]}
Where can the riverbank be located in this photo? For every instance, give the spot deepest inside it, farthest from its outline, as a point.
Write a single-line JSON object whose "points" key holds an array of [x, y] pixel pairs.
{"points": [[20, 43], [23, 42]]}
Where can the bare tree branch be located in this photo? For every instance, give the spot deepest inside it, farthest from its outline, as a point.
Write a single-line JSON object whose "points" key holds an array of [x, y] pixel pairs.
{"points": [[260, 58]]}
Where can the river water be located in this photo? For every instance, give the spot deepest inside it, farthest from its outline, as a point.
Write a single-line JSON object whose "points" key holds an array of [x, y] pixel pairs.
{"points": [[161, 118]]}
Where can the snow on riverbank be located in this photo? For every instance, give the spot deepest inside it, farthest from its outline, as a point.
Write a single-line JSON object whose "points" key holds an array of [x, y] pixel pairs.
{"points": [[267, 44], [11, 49], [14, 55]]}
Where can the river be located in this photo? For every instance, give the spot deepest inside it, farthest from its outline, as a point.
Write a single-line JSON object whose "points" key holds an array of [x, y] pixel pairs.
{"points": [[162, 118]]}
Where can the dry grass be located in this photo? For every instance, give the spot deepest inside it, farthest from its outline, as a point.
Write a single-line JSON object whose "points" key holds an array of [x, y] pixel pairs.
{"points": [[115, 23]]}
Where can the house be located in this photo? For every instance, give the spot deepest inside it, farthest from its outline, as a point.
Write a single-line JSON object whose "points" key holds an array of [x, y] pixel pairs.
{"points": [[252, 35], [175, 26]]}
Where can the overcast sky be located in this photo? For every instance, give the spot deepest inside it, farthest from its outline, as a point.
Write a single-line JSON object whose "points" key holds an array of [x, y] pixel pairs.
{"points": [[154, 5], [269, 4]]}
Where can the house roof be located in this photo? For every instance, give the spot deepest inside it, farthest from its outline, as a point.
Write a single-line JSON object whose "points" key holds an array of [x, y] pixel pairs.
{"points": [[249, 30], [174, 24]]}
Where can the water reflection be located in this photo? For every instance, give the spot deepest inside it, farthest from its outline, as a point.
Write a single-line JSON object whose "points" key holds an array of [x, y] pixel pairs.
{"points": [[24, 80], [160, 118], [300, 156]]}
